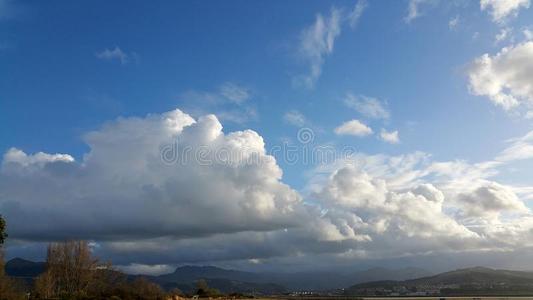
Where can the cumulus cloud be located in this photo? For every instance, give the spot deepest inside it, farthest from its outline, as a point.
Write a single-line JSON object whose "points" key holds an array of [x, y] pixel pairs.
{"points": [[502, 9], [367, 106], [391, 137], [353, 127], [295, 118], [168, 188], [393, 220], [125, 188], [19, 157], [490, 201], [456, 193], [505, 78], [116, 54]]}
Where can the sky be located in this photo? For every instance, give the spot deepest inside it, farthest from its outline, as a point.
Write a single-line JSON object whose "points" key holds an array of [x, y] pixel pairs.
{"points": [[269, 135]]}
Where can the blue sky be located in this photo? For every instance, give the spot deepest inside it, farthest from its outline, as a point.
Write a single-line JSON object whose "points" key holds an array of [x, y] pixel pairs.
{"points": [[54, 88], [69, 68]]}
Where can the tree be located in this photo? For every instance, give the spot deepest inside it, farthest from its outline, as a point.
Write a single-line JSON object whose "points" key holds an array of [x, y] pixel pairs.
{"points": [[44, 286], [70, 270], [73, 273], [3, 234], [9, 288], [147, 290], [203, 290]]}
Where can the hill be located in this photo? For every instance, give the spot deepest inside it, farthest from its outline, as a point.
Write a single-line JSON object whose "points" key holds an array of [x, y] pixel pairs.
{"points": [[470, 281], [21, 268]]}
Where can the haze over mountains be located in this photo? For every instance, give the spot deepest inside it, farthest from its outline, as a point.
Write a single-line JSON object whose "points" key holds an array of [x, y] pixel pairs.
{"points": [[371, 282], [227, 281], [470, 281]]}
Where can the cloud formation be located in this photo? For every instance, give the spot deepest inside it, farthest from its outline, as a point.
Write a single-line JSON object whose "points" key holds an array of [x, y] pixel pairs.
{"points": [[353, 127], [234, 93], [367, 106], [413, 9], [505, 78], [502, 9], [391, 137], [453, 23], [519, 149], [318, 40], [116, 54], [168, 188], [357, 12], [295, 118], [125, 188]]}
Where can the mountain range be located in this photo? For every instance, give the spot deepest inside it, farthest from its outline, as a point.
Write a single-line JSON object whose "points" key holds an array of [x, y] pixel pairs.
{"points": [[371, 282], [470, 281], [228, 281]]}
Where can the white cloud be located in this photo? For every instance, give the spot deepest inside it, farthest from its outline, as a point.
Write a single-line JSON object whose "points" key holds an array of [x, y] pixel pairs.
{"points": [[317, 42], [490, 201], [528, 34], [357, 12], [152, 186], [413, 9], [234, 93], [506, 78], [481, 213], [353, 127], [453, 23], [16, 156], [520, 149], [501, 9], [147, 212], [502, 35], [295, 118], [391, 137], [115, 54], [367, 106], [386, 216]]}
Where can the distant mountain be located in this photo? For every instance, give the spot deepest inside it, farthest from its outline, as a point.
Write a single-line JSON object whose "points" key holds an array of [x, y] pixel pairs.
{"points": [[287, 281], [21, 268], [478, 275], [470, 281], [193, 273], [226, 286], [319, 281], [389, 274], [229, 281]]}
